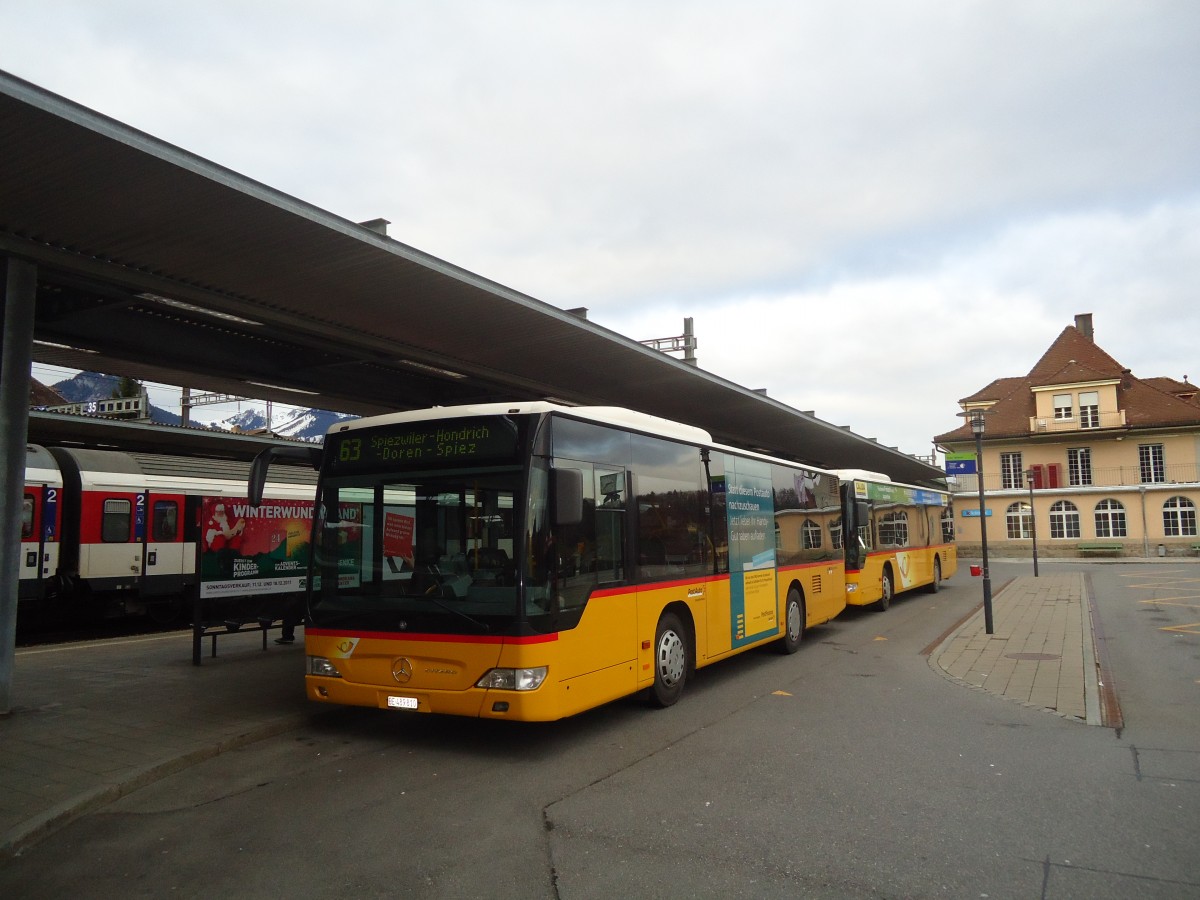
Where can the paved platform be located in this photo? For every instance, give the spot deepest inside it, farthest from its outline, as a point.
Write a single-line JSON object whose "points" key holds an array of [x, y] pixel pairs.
{"points": [[94, 721], [1041, 652]]}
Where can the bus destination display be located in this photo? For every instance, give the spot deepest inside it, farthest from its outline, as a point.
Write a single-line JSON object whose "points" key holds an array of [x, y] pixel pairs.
{"points": [[450, 442]]}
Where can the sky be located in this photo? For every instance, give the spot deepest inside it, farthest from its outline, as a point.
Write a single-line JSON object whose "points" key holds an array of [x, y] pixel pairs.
{"points": [[870, 209]]}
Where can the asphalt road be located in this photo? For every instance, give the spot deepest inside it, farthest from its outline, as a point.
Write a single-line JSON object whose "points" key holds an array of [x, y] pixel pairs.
{"points": [[851, 769]]}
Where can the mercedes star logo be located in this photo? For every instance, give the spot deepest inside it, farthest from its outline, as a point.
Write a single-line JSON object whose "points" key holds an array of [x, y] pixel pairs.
{"points": [[402, 670]]}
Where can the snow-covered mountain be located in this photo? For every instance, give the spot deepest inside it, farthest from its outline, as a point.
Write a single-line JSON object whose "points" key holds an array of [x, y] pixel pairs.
{"points": [[303, 424]]}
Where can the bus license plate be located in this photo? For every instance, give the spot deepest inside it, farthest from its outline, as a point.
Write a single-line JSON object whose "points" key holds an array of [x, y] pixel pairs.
{"points": [[402, 702]]}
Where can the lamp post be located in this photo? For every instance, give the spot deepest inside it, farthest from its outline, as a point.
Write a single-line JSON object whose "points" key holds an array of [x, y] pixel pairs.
{"points": [[975, 417], [1032, 521]]}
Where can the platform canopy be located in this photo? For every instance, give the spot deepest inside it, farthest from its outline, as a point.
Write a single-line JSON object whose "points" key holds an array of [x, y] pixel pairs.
{"points": [[157, 264]]}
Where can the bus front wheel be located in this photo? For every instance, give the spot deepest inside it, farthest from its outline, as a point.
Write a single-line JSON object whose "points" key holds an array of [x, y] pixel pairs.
{"points": [[885, 595], [670, 661], [793, 619]]}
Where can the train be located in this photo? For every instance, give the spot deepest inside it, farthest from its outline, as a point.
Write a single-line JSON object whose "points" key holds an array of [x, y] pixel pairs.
{"points": [[111, 533]]}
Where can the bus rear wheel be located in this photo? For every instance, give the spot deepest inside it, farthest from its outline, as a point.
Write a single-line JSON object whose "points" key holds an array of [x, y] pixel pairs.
{"points": [[793, 620], [885, 595], [670, 661], [936, 585]]}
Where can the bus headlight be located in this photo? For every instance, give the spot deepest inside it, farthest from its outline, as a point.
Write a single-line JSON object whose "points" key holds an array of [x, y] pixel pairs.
{"points": [[319, 665], [514, 679], [851, 588]]}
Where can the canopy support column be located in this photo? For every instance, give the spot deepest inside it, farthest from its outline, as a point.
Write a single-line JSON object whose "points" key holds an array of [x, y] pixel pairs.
{"points": [[16, 358]]}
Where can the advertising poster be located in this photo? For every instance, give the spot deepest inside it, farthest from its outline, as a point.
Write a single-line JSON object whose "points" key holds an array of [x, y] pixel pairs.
{"points": [[398, 536], [246, 551], [750, 508]]}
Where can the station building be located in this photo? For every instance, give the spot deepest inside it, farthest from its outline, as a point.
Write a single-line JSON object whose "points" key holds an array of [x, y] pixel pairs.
{"points": [[1082, 456]]}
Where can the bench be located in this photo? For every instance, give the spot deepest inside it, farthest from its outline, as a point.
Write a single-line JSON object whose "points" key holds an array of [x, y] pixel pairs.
{"points": [[1099, 549]]}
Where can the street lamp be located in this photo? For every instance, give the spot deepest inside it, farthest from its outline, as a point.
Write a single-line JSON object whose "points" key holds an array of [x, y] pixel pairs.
{"points": [[1032, 520], [975, 417]]}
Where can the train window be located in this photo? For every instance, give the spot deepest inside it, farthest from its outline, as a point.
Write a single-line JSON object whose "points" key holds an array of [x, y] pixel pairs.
{"points": [[117, 517], [27, 517], [166, 520]]}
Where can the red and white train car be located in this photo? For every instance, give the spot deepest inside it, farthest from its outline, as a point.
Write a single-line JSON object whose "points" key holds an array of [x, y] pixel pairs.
{"points": [[109, 532]]}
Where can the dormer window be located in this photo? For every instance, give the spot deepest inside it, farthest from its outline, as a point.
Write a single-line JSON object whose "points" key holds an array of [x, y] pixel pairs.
{"points": [[1089, 409], [1063, 406]]}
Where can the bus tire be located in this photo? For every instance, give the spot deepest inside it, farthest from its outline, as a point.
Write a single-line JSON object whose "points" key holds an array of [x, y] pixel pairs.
{"points": [[885, 597], [670, 661], [793, 622], [936, 585]]}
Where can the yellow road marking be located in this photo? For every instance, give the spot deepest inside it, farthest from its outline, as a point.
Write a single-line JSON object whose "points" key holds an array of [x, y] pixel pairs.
{"points": [[1193, 628], [1172, 602], [781, 693], [881, 639]]}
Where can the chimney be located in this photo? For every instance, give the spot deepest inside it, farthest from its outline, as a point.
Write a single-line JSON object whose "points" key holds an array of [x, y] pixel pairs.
{"points": [[1083, 322], [379, 226]]}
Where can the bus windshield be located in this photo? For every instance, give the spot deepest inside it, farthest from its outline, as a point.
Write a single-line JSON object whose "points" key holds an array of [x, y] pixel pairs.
{"points": [[427, 553]]}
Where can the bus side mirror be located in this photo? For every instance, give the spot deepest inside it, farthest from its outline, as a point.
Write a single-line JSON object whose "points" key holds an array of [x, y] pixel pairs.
{"points": [[258, 469], [862, 511], [568, 496]]}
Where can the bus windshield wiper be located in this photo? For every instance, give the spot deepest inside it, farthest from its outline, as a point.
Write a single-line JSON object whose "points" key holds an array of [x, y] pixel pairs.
{"points": [[433, 598]]}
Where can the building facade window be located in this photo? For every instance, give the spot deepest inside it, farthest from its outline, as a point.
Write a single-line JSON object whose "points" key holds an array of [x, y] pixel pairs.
{"points": [[1019, 521], [1063, 407], [1012, 473], [1079, 466], [948, 525], [893, 529], [1089, 409], [811, 535], [1179, 517], [1064, 520], [1151, 463], [1110, 519]]}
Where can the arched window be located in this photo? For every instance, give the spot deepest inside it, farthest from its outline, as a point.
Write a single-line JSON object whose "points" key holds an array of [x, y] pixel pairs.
{"points": [[1179, 517], [1064, 520], [1019, 521], [1110, 519]]}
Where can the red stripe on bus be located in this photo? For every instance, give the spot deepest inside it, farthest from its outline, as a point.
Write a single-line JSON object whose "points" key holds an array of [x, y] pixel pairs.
{"points": [[441, 638]]}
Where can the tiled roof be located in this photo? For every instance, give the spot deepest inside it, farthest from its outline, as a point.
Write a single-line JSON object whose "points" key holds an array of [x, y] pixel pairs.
{"points": [[40, 395], [1072, 359], [1072, 346]]}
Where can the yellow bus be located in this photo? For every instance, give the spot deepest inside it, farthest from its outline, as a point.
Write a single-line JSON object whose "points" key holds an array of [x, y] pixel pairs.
{"points": [[529, 561], [898, 537]]}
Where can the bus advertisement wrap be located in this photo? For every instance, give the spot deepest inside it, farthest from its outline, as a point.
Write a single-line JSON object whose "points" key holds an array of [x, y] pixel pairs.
{"points": [[750, 510]]}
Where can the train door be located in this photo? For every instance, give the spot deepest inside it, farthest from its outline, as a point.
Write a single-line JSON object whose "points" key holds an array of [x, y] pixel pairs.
{"points": [[166, 561], [39, 506], [111, 535], [41, 523]]}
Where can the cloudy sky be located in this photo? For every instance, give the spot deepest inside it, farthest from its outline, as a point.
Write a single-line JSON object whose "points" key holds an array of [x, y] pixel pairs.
{"points": [[871, 209]]}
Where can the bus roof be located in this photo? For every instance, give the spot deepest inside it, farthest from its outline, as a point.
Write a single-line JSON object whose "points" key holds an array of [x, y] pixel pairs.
{"points": [[604, 415]]}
